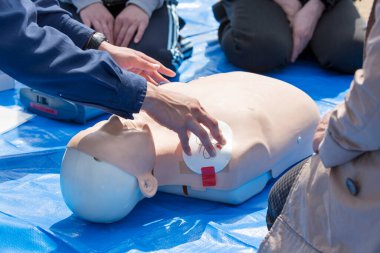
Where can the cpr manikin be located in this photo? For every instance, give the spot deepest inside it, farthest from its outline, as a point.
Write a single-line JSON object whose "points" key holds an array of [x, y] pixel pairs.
{"points": [[268, 125]]}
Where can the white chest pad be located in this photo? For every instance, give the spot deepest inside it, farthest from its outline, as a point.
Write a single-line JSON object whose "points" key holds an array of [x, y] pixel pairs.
{"points": [[200, 157]]}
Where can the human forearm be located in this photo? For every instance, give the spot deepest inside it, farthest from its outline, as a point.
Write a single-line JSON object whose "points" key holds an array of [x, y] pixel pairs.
{"points": [[303, 26], [316, 8], [53, 64]]}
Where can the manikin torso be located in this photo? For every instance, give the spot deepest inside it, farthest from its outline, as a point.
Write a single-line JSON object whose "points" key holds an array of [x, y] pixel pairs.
{"points": [[272, 124]]}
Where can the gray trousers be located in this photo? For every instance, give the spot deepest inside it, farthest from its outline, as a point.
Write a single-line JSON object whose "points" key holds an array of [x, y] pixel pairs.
{"points": [[255, 35]]}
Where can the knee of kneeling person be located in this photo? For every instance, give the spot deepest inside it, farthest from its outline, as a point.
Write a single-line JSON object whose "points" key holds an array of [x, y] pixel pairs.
{"points": [[345, 56], [256, 53]]}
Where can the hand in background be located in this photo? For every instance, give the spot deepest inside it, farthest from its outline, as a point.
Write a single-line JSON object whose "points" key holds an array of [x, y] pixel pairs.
{"points": [[304, 24], [130, 24], [320, 131], [138, 63], [183, 115], [98, 17]]}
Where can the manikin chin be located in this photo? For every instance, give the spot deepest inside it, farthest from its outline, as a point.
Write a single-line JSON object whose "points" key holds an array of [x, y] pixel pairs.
{"points": [[108, 168]]}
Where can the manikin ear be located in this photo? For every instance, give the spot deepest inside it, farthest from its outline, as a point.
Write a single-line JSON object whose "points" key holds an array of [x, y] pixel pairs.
{"points": [[148, 184], [114, 125]]}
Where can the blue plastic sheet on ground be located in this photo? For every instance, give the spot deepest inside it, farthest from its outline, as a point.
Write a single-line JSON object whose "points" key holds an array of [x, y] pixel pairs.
{"points": [[33, 216]]}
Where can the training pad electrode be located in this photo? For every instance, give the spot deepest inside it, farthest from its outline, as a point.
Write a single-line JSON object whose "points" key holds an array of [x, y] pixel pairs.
{"points": [[200, 157]]}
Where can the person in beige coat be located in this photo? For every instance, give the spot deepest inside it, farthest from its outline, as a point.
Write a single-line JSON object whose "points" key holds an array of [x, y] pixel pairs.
{"points": [[333, 204]]}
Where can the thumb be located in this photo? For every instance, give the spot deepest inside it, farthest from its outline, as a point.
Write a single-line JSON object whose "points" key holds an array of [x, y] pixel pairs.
{"points": [[184, 139], [295, 48]]}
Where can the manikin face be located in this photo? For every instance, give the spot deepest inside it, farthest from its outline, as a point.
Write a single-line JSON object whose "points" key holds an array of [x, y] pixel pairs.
{"points": [[107, 168]]}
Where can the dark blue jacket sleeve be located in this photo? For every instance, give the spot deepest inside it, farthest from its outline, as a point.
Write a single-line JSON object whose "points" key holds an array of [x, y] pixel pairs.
{"points": [[50, 14], [47, 60]]}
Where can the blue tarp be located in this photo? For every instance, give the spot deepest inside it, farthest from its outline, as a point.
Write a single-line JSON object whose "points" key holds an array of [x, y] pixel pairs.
{"points": [[33, 216]]}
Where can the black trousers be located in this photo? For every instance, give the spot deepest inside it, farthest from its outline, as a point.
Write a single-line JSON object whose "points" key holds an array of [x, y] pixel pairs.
{"points": [[280, 191], [255, 35], [161, 39]]}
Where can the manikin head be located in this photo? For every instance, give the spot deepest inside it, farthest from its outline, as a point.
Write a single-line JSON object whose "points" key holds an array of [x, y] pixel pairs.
{"points": [[107, 170]]}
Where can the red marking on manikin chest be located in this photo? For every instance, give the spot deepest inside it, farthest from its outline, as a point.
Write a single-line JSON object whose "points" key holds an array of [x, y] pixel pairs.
{"points": [[208, 176]]}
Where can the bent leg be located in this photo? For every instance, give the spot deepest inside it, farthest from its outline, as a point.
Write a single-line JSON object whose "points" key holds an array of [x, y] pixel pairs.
{"points": [[255, 35], [339, 37], [280, 191]]}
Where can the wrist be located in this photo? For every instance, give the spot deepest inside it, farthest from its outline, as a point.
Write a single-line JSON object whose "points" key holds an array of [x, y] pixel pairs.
{"points": [[106, 46], [317, 6], [95, 41], [150, 96]]}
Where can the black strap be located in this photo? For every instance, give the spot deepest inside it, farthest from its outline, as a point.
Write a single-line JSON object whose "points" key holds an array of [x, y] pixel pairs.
{"points": [[95, 40]]}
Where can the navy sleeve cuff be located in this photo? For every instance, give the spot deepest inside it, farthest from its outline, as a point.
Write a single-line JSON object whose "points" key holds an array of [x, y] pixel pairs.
{"points": [[132, 91], [125, 98]]}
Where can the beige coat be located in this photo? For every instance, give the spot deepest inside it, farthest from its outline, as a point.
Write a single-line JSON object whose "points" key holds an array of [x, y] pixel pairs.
{"points": [[334, 206]]}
